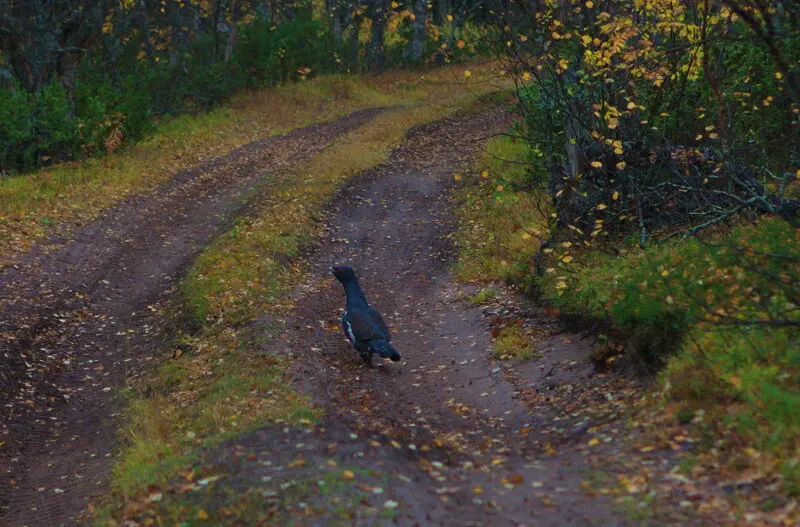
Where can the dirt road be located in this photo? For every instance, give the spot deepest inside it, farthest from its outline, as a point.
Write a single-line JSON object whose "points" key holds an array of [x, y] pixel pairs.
{"points": [[78, 316], [447, 436]]}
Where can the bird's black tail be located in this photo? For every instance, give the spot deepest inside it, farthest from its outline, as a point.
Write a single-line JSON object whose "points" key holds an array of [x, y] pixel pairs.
{"points": [[384, 349]]}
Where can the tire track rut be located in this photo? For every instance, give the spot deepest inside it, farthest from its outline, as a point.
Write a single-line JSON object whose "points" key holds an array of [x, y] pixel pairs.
{"points": [[77, 317], [443, 438]]}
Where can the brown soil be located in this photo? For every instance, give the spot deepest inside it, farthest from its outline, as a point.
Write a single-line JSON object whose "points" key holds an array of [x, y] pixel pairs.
{"points": [[445, 437], [78, 315]]}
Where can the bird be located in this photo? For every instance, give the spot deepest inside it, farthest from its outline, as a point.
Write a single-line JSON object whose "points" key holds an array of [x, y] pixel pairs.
{"points": [[363, 326]]}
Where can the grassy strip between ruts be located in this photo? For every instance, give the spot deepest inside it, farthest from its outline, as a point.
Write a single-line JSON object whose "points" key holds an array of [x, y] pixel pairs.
{"points": [[74, 193], [224, 383], [731, 389]]}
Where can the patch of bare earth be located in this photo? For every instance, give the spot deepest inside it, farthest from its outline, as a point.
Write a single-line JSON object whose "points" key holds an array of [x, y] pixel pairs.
{"points": [[77, 316], [447, 436]]}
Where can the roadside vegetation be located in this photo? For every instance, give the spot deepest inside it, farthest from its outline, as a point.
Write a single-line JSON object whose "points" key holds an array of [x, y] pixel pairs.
{"points": [[662, 307], [654, 194], [501, 221], [224, 378]]}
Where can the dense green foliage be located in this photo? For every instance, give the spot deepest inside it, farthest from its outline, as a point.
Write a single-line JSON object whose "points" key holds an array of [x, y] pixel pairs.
{"points": [[40, 128], [706, 311], [663, 135]]}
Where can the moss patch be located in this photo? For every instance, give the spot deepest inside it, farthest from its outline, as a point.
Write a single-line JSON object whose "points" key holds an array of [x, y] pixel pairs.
{"points": [[513, 342]]}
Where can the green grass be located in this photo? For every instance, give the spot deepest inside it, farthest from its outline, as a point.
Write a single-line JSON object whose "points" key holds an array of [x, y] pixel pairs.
{"points": [[218, 395], [674, 302], [325, 495], [228, 381]]}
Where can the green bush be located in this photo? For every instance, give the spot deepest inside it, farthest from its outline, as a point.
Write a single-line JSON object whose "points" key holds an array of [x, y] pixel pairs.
{"points": [[750, 376], [720, 315], [39, 129], [136, 105], [16, 128]]}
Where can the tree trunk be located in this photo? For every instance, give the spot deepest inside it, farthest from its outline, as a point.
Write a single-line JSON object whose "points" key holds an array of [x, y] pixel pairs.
{"points": [[68, 71], [231, 42], [216, 20], [354, 23], [377, 13], [574, 134], [232, 33], [416, 47], [440, 12], [336, 22], [143, 19]]}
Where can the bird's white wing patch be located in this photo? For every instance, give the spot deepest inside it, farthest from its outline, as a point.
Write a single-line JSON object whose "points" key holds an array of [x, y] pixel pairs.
{"points": [[349, 330]]}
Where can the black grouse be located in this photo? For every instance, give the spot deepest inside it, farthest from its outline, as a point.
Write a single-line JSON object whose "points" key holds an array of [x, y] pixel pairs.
{"points": [[364, 327]]}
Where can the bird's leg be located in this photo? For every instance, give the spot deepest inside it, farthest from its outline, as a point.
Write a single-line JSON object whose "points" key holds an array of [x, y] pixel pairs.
{"points": [[367, 357]]}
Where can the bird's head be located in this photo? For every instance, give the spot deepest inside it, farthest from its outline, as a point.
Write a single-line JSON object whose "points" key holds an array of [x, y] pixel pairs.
{"points": [[343, 273]]}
